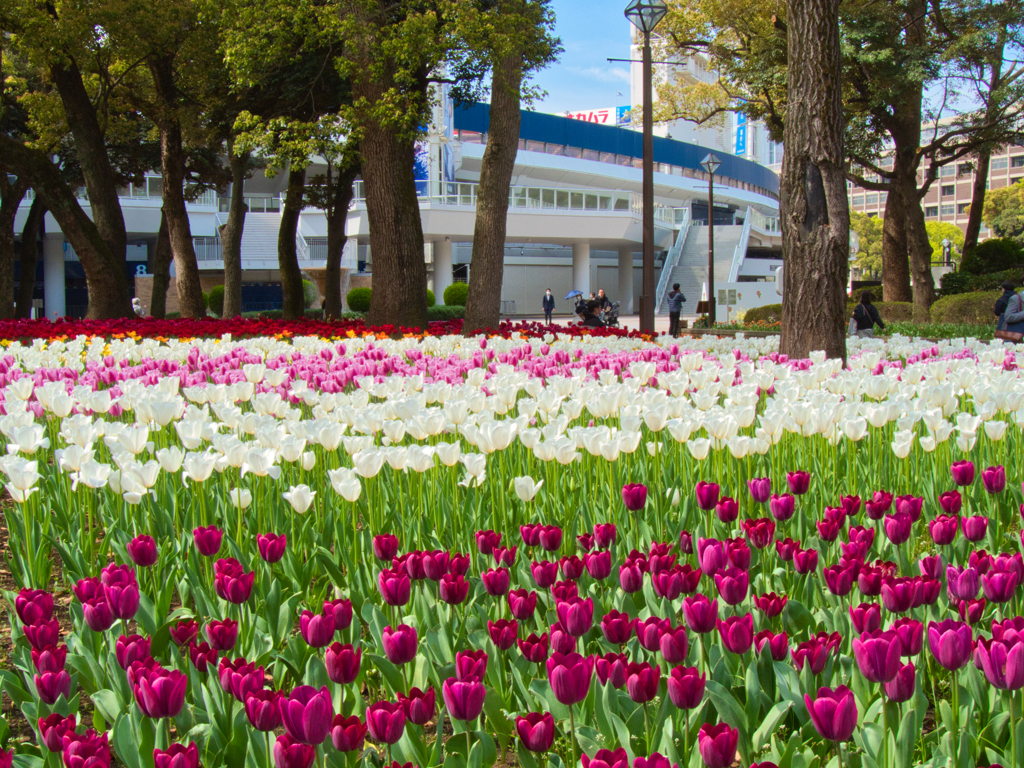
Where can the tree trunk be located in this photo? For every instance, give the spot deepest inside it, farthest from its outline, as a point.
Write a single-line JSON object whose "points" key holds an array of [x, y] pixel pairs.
{"points": [[920, 252], [895, 261], [396, 232], [172, 163], [162, 258], [11, 196], [336, 219], [231, 234], [982, 163], [91, 151], [294, 305], [483, 308], [29, 256], [815, 217], [104, 271]]}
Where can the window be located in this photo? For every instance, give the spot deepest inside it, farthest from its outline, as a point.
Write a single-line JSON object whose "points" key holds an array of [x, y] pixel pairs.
{"points": [[1017, 162], [963, 208], [998, 163], [947, 209], [872, 199], [948, 190], [931, 211], [963, 169], [883, 197], [858, 199], [947, 170]]}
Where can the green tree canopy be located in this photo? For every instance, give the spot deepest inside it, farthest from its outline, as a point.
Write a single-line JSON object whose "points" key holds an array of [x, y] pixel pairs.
{"points": [[941, 230], [1004, 211], [869, 247]]}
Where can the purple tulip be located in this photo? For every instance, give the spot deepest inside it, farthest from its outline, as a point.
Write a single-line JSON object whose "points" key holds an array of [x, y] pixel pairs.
{"points": [[290, 753], [713, 556], [950, 642], [33, 605], [782, 506], [385, 546], [898, 527], [701, 614], [951, 502], [42, 633], [834, 713], [52, 730], [222, 635], [348, 733], [537, 731], [470, 664], [674, 645], [805, 561], [931, 566], [962, 472], [898, 594], [727, 509], [88, 751], [123, 597], [533, 648], [130, 648], [760, 489], [550, 538], [394, 586], [231, 582], [341, 609], [496, 581], [177, 756], [737, 633], [202, 656], [634, 496], [878, 655], [317, 629], [522, 604], [799, 482], [999, 586], [208, 540], [631, 576], [770, 604], [50, 686], [1002, 662], [142, 551], [616, 627], [901, 687], [343, 662], [839, 580], [707, 495], [463, 698], [307, 713], [400, 643], [717, 745], [159, 692], [561, 640], [576, 615], [778, 644], [503, 633], [184, 631], [994, 479], [606, 758], [686, 687], [974, 527], [598, 564], [649, 631], [866, 617], [642, 681], [97, 613], [732, 585], [240, 677], [604, 535], [612, 668], [569, 675], [911, 634], [385, 721], [271, 546], [420, 706], [962, 582], [50, 659]]}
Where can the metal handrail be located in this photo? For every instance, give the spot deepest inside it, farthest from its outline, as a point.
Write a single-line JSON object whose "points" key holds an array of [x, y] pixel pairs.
{"points": [[741, 249], [672, 259]]}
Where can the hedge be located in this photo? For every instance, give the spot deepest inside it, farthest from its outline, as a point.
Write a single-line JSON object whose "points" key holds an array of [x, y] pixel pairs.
{"points": [[974, 308], [358, 299], [444, 312], [769, 313], [456, 294], [431, 301], [891, 311], [993, 255], [309, 293], [277, 314], [216, 302], [964, 282]]}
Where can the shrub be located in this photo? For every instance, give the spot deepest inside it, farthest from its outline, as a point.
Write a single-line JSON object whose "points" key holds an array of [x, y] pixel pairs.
{"points": [[216, 301], [963, 282], [309, 293], [456, 294], [994, 255], [206, 300], [891, 311], [975, 307], [431, 301], [358, 299], [769, 313], [277, 314], [444, 312]]}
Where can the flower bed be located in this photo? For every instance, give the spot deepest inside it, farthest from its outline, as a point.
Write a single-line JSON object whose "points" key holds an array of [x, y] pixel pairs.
{"points": [[435, 550]]}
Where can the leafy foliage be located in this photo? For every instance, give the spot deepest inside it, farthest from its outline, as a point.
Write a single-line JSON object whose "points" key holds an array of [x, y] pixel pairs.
{"points": [[358, 299], [993, 255], [869, 247], [456, 294], [1004, 211]]}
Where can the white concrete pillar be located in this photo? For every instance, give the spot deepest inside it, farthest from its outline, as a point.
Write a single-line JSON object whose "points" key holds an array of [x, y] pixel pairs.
{"points": [[442, 267], [626, 279], [581, 268], [53, 276]]}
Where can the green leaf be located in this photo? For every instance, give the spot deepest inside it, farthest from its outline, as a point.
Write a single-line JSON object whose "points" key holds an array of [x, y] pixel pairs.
{"points": [[388, 671], [771, 721], [603, 707], [622, 732], [108, 704], [906, 738], [125, 746]]}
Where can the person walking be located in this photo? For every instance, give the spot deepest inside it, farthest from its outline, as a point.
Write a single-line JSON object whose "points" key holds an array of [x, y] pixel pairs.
{"points": [[549, 306], [675, 306], [1011, 320], [1009, 291], [866, 316]]}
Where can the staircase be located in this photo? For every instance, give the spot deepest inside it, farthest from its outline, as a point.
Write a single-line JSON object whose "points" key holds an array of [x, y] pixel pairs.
{"points": [[691, 271], [259, 238]]}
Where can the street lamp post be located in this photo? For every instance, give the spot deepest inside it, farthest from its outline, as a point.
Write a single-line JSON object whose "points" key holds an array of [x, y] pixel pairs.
{"points": [[710, 164], [645, 15]]}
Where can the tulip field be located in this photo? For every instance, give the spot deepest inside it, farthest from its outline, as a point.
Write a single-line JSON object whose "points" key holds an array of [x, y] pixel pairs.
{"points": [[533, 549]]}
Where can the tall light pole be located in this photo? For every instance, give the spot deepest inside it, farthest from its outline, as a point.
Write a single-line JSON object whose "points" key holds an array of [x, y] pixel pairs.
{"points": [[645, 15], [710, 164]]}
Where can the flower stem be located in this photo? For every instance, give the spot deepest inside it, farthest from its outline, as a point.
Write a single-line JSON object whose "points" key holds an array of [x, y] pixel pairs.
{"points": [[572, 735]]}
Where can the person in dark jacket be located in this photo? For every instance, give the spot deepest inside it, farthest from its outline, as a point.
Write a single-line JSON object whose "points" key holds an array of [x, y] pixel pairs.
{"points": [[590, 319], [675, 306], [867, 316], [549, 306], [1008, 290]]}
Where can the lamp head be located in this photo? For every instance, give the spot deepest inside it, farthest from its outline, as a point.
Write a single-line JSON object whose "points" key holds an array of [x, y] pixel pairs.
{"points": [[646, 14], [711, 163]]}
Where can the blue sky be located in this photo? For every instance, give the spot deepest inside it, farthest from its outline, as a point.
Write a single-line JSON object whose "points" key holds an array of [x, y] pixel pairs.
{"points": [[582, 78]]}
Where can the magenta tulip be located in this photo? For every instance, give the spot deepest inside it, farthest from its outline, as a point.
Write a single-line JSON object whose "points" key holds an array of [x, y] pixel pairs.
{"points": [[208, 540], [291, 753], [537, 731], [994, 479], [348, 733], [177, 756], [642, 681], [760, 489], [878, 655], [317, 629], [385, 546], [464, 698], [717, 745], [160, 692], [901, 687], [962, 472], [342, 662], [307, 714], [385, 721], [612, 668], [737, 633], [420, 706], [686, 687], [834, 713], [400, 643], [634, 496], [271, 546], [950, 643], [569, 676], [142, 551]]}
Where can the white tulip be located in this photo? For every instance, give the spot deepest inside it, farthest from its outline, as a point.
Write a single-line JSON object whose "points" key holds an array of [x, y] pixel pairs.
{"points": [[261, 462], [368, 463], [345, 484], [699, 448], [91, 474], [300, 497], [28, 439], [307, 461], [996, 430], [198, 467], [240, 497], [526, 488], [170, 458]]}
